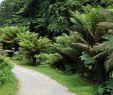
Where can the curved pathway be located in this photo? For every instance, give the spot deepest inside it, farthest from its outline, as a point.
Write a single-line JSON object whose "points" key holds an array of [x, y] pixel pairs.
{"points": [[35, 83]]}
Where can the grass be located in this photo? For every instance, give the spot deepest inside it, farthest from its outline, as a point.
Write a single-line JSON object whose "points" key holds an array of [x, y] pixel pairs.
{"points": [[10, 85], [74, 82]]}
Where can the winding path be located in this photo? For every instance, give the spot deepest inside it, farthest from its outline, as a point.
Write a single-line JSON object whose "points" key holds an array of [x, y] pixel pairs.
{"points": [[35, 83]]}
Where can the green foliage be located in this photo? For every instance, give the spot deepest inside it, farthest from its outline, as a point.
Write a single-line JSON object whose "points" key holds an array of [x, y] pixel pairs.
{"points": [[30, 40], [106, 88], [67, 40], [9, 9], [8, 38], [45, 58], [64, 47], [88, 60], [81, 32], [3, 71], [58, 24], [18, 55], [10, 33], [93, 23], [106, 49], [31, 44], [4, 67]]}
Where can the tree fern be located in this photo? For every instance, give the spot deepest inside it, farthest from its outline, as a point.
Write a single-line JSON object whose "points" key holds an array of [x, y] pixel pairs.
{"points": [[32, 45], [107, 45]]}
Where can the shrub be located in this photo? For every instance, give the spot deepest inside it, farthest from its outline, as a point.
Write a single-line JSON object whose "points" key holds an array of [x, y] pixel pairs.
{"points": [[4, 70], [50, 59], [8, 38], [42, 58], [106, 88]]}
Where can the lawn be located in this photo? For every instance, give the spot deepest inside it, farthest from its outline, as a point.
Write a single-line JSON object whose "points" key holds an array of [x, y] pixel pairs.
{"points": [[10, 85], [73, 82]]}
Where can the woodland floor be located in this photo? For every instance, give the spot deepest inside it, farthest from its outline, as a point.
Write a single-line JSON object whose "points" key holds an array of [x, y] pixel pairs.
{"points": [[35, 83]]}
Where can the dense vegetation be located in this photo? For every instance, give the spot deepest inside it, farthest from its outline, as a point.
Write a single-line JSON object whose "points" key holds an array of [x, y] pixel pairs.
{"points": [[71, 35], [8, 83]]}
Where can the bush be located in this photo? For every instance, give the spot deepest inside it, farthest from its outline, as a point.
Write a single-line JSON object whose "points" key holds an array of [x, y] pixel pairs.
{"points": [[106, 88], [42, 58], [8, 38], [4, 69], [45, 58], [18, 55]]}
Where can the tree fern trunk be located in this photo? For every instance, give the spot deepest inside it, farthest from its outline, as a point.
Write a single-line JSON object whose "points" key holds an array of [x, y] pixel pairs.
{"points": [[101, 72], [34, 61]]}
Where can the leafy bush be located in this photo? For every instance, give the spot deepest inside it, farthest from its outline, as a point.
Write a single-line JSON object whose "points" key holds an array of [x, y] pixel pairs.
{"points": [[10, 33], [42, 58], [18, 55], [45, 58], [4, 70], [8, 38], [106, 88]]}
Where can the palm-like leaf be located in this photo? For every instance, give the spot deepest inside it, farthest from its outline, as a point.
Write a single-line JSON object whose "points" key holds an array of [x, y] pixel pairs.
{"points": [[31, 41], [10, 33], [82, 47], [103, 28], [107, 45], [109, 62]]}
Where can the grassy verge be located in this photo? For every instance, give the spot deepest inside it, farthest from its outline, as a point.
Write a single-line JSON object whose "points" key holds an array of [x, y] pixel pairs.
{"points": [[10, 85], [74, 83]]}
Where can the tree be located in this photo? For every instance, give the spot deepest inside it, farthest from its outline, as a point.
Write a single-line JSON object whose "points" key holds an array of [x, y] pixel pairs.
{"points": [[32, 45], [92, 25], [9, 38], [9, 10]]}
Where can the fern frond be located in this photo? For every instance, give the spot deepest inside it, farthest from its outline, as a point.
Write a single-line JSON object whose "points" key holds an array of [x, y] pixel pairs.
{"points": [[107, 45], [82, 47], [102, 54], [109, 62], [103, 28]]}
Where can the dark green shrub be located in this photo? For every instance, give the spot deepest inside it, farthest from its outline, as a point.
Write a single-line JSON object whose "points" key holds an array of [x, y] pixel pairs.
{"points": [[106, 88], [50, 59]]}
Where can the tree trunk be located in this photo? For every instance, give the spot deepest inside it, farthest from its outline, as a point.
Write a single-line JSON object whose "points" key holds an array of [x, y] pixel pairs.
{"points": [[101, 74], [34, 61]]}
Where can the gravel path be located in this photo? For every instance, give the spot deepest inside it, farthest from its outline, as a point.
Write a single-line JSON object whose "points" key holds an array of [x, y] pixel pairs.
{"points": [[35, 83]]}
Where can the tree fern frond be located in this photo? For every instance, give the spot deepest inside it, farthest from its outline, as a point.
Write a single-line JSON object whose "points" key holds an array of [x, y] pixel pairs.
{"points": [[109, 62], [103, 28], [107, 45], [102, 54], [82, 47]]}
